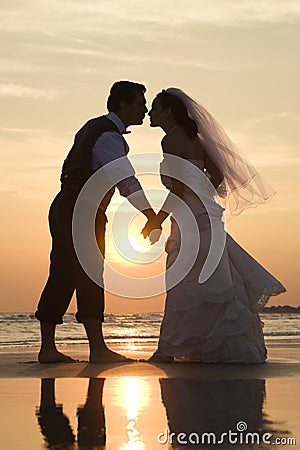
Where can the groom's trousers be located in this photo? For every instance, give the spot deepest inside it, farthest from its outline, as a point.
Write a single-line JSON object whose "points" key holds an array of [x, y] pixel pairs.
{"points": [[66, 274]]}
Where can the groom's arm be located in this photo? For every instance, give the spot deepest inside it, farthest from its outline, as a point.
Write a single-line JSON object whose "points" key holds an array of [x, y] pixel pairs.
{"points": [[110, 148]]}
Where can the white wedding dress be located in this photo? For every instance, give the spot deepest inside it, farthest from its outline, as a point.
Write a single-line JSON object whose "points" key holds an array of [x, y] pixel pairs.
{"points": [[216, 321]]}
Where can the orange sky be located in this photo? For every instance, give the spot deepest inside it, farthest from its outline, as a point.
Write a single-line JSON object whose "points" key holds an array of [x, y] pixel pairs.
{"points": [[58, 62]]}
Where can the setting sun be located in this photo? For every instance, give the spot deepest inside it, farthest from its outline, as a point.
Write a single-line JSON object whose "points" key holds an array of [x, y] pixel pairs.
{"points": [[140, 244]]}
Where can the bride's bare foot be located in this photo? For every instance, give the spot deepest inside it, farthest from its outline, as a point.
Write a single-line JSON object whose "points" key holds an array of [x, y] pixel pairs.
{"points": [[107, 356], [53, 356]]}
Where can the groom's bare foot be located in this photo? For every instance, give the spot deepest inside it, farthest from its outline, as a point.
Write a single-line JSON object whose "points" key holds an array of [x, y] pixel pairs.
{"points": [[53, 356], [107, 356]]}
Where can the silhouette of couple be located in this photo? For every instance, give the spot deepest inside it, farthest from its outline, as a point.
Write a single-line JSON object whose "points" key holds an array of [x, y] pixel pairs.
{"points": [[213, 321]]}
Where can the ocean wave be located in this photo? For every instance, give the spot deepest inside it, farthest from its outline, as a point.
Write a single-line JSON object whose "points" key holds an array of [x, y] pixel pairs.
{"points": [[22, 329], [282, 333]]}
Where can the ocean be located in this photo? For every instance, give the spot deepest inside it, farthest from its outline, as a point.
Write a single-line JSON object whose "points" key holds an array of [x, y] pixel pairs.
{"points": [[19, 330]]}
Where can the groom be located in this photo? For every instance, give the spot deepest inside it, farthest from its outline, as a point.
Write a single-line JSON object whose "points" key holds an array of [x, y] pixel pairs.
{"points": [[97, 143]]}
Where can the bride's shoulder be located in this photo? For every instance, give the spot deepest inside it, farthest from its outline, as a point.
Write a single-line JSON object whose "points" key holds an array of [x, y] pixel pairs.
{"points": [[175, 141], [169, 144]]}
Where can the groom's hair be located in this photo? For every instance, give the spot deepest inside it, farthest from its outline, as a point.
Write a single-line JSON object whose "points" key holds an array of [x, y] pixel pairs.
{"points": [[123, 90]]}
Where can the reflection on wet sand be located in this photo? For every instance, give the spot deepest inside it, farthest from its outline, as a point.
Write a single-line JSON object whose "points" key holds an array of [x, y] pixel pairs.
{"points": [[133, 393], [138, 410], [91, 418], [199, 407], [55, 426]]}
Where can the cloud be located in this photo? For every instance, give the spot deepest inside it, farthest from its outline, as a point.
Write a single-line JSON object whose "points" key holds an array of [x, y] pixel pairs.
{"points": [[19, 90], [21, 130], [52, 17], [106, 36], [267, 150], [11, 65], [216, 12], [46, 166], [269, 118]]}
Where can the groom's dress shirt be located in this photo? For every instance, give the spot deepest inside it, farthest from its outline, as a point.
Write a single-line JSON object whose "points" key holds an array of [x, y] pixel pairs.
{"points": [[111, 146]]}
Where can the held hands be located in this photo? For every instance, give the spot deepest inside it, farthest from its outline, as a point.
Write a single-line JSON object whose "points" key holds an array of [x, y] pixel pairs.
{"points": [[152, 229]]}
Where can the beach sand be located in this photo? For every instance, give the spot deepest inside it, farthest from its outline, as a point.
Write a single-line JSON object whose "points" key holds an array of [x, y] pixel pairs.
{"points": [[127, 406]]}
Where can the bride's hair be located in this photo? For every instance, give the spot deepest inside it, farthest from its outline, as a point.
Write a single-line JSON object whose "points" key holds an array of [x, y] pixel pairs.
{"points": [[179, 111]]}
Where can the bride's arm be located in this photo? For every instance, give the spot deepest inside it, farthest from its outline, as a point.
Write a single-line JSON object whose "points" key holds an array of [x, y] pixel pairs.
{"points": [[215, 174], [169, 146]]}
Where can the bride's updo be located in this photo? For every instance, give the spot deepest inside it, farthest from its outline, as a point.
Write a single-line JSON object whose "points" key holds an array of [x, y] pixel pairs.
{"points": [[179, 111]]}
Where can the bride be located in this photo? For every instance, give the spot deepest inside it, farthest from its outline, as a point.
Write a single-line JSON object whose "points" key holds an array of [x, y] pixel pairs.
{"points": [[211, 310]]}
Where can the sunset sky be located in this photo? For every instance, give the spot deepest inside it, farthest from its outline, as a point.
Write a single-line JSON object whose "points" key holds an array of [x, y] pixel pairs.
{"points": [[58, 61]]}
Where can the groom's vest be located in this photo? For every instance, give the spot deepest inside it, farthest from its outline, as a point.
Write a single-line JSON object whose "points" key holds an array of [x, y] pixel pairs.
{"points": [[78, 165]]}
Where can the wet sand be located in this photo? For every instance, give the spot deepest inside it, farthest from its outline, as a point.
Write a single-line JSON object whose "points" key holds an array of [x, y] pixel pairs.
{"points": [[129, 406], [283, 361]]}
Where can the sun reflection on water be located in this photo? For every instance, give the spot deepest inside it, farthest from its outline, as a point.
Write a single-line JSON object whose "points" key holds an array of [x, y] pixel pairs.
{"points": [[136, 398]]}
